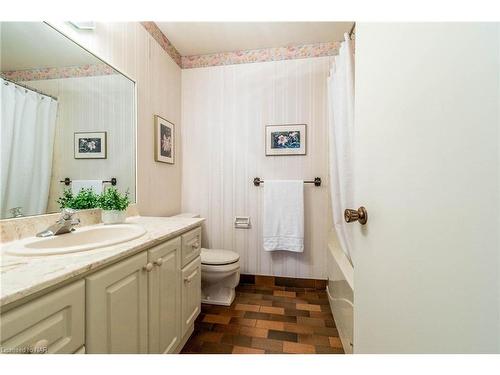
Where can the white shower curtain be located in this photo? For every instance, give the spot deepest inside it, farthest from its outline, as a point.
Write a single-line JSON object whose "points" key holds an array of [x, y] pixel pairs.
{"points": [[27, 142], [341, 131]]}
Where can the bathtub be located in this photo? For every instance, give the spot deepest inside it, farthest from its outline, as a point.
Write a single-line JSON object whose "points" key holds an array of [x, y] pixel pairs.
{"points": [[340, 290]]}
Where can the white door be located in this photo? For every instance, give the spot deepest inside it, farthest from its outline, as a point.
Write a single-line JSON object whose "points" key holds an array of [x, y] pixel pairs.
{"points": [[427, 171]]}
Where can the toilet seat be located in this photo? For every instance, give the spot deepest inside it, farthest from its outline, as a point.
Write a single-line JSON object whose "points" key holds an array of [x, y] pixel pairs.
{"points": [[220, 269], [218, 257]]}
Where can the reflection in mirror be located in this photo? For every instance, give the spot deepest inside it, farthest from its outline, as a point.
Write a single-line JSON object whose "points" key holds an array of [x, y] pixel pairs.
{"points": [[65, 115]]}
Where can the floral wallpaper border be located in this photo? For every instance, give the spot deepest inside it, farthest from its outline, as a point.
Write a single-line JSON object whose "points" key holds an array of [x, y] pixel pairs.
{"points": [[163, 41], [241, 57], [54, 73], [261, 55]]}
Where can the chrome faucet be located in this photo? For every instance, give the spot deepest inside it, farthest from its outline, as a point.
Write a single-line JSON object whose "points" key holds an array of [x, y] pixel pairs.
{"points": [[65, 224]]}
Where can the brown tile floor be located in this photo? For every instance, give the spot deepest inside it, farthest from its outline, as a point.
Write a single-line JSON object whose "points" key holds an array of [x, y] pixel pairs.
{"points": [[267, 319]]}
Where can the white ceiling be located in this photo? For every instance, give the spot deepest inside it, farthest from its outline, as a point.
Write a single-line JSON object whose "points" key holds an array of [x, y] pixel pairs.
{"points": [[31, 45], [199, 38]]}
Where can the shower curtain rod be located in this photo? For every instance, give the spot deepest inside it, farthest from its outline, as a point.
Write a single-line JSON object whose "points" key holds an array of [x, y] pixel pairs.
{"points": [[26, 87], [352, 30]]}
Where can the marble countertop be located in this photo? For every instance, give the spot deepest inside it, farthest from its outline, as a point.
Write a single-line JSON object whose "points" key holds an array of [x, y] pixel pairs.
{"points": [[22, 276]]}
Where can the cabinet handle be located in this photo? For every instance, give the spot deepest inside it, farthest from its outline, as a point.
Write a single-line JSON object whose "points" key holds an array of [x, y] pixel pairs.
{"points": [[191, 277], [40, 347], [195, 245], [148, 267], [158, 262]]}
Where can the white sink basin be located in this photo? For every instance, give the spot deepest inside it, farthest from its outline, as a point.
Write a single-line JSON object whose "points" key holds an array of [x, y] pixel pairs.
{"points": [[83, 239]]}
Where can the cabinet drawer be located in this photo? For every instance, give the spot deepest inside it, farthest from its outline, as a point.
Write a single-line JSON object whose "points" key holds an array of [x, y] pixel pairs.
{"points": [[53, 323], [191, 246]]}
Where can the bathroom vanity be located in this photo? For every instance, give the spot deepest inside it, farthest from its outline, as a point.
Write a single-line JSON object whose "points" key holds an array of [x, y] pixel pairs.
{"points": [[140, 296]]}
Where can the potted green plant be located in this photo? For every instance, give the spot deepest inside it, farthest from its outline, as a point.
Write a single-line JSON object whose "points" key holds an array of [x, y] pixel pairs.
{"points": [[84, 200], [114, 206]]}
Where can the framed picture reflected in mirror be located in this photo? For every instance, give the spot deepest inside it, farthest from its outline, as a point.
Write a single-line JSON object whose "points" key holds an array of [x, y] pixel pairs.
{"points": [[90, 145]]}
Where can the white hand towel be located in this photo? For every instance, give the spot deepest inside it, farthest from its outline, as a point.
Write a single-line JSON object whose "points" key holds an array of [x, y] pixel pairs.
{"points": [[284, 215], [77, 185]]}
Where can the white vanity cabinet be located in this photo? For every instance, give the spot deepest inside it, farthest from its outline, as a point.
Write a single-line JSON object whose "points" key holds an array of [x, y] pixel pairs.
{"points": [[164, 296], [143, 303], [146, 303], [117, 311]]}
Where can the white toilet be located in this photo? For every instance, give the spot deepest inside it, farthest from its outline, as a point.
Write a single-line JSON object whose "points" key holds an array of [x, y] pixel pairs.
{"points": [[220, 274]]}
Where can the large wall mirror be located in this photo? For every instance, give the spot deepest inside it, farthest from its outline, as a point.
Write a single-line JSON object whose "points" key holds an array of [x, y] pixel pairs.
{"points": [[67, 121]]}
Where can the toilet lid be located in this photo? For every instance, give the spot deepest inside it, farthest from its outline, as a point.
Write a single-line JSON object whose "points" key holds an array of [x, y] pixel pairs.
{"points": [[218, 257]]}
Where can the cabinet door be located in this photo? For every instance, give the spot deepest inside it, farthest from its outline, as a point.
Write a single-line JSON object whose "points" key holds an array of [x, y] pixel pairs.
{"points": [[53, 323], [191, 293], [117, 308], [164, 298]]}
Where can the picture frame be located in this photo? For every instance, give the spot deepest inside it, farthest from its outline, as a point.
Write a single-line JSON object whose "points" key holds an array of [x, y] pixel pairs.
{"points": [[90, 145], [164, 140], [287, 139]]}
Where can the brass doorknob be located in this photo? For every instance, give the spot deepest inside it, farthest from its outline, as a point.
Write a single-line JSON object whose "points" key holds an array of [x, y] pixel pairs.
{"points": [[360, 215]]}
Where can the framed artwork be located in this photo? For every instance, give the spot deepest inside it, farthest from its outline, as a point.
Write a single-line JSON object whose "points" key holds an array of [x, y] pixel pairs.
{"points": [[90, 145], [286, 139], [164, 140]]}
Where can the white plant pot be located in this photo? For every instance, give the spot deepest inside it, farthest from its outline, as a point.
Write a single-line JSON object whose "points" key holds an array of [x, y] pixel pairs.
{"points": [[113, 216]]}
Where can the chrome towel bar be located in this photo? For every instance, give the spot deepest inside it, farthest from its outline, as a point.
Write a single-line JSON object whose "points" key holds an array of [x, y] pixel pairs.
{"points": [[67, 181], [317, 181]]}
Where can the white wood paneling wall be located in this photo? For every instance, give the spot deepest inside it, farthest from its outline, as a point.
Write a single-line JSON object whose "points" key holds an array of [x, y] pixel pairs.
{"points": [[130, 48], [224, 113]]}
